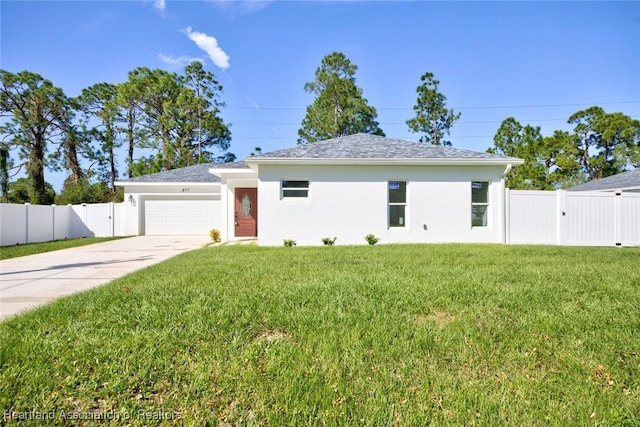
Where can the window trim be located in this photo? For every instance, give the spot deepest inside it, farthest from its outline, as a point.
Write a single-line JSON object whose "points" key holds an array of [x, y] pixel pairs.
{"points": [[283, 189], [487, 203], [405, 204]]}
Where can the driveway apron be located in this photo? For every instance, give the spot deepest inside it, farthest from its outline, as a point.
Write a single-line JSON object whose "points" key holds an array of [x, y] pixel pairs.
{"points": [[34, 280]]}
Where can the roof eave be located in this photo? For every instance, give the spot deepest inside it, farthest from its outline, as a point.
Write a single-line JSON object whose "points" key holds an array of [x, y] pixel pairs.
{"points": [[379, 161], [216, 171], [234, 173], [155, 184]]}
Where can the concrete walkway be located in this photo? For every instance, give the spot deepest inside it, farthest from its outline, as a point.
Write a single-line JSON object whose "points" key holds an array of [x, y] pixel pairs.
{"points": [[35, 280]]}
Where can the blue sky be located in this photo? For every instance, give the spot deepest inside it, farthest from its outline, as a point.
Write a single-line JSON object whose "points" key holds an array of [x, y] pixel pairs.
{"points": [[536, 61]]}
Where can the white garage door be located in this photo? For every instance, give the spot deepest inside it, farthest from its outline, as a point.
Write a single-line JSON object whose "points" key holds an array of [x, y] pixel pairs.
{"points": [[181, 216]]}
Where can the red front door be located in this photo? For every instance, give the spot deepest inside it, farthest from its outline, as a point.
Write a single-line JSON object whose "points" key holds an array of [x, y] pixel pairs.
{"points": [[246, 213]]}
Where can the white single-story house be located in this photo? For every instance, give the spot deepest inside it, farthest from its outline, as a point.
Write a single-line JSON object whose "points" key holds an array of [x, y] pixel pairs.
{"points": [[347, 187], [626, 181]]}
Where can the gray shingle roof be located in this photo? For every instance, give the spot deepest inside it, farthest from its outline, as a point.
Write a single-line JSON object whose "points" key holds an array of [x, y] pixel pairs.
{"points": [[365, 146], [195, 173], [235, 165], [620, 181], [359, 146]]}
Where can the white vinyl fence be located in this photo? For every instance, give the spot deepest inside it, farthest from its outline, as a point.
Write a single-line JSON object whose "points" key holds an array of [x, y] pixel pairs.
{"points": [[42, 223], [582, 218], [532, 217]]}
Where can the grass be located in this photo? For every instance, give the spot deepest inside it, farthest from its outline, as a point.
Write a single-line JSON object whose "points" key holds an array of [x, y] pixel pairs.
{"points": [[7, 252], [386, 335]]}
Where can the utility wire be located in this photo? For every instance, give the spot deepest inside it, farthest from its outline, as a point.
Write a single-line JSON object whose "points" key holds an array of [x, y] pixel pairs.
{"points": [[461, 122], [284, 138], [488, 107]]}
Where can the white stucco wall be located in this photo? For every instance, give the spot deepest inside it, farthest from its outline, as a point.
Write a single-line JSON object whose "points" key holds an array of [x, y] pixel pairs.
{"points": [[349, 202], [133, 211]]}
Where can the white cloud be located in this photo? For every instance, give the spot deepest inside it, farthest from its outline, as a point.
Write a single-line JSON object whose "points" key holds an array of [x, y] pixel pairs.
{"points": [[178, 61], [160, 5], [210, 45]]}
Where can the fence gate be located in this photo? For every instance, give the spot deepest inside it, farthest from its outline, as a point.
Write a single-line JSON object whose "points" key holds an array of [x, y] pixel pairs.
{"points": [[629, 214], [25, 223], [590, 219], [584, 218]]}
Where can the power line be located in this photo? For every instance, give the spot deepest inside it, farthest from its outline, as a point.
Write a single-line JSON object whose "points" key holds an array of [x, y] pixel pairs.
{"points": [[461, 122], [488, 107], [284, 138], [400, 123], [547, 105]]}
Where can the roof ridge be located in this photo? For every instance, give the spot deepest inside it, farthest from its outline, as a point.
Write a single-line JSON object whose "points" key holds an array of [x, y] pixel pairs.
{"points": [[369, 146]]}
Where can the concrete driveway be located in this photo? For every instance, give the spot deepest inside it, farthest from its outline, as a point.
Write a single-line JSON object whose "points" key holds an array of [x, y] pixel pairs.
{"points": [[35, 280]]}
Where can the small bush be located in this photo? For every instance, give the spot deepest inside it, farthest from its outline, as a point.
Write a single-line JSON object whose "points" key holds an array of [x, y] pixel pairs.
{"points": [[215, 235], [371, 239], [328, 241], [289, 243]]}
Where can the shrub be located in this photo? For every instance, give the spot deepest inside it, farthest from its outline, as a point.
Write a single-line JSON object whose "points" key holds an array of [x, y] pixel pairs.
{"points": [[328, 241], [215, 235], [289, 243], [371, 239]]}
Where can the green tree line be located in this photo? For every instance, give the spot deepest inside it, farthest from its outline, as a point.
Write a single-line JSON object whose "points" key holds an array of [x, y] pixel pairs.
{"points": [[601, 144], [165, 120]]}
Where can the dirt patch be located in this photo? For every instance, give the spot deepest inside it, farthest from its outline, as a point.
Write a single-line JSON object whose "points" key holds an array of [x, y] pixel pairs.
{"points": [[440, 318], [270, 336]]}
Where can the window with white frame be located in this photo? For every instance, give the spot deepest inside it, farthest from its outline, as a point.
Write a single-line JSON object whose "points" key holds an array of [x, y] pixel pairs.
{"points": [[479, 203], [397, 203], [295, 188]]}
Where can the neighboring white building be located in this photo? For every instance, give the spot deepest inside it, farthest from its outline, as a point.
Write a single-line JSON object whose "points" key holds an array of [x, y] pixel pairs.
{"points": [[626, 181], [345, 187]]}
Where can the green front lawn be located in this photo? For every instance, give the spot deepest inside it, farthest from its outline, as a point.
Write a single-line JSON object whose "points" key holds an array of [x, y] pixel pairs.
{"points": [[384, 335], [16, 251]]}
